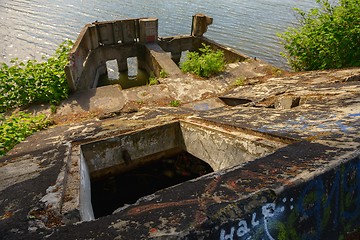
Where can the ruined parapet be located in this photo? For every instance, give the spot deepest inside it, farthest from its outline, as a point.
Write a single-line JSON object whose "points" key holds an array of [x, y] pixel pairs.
{"points": [[148, 30], [87, 58], [200, 23]]}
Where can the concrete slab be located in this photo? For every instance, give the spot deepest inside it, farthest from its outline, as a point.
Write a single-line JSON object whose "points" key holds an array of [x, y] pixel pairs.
{"points": [[164, 60], [309, 189]]}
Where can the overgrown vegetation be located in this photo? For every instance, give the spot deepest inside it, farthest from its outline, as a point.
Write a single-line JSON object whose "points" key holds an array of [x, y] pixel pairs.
{"points": [[15, 128], [327, 37], [204, 63], [23, 83]]}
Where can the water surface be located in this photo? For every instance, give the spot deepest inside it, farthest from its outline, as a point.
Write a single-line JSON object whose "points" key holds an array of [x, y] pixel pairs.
{"points": [[30, 28]]}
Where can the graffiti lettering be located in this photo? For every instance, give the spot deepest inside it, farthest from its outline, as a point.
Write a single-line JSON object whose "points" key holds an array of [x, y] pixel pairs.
{"points": [[323, 207]]}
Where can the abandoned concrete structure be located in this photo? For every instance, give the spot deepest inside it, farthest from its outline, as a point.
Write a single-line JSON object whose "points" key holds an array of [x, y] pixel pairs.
{"points": [[119, 40], [275, 157]]}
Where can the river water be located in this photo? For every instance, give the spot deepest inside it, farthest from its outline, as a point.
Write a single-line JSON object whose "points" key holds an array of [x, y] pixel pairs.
{"points": [[32, 28]]}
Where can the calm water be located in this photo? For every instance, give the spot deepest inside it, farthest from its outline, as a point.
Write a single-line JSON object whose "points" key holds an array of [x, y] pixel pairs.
{"points": [[31, 28]]}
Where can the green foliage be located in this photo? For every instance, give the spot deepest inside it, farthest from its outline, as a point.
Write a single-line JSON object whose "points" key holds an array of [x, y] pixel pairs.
{"points": [[163, 73], [53, 108], [175, 103], [152, 79], [28, 82], [17, 127], [204, 63], [327, 37]]}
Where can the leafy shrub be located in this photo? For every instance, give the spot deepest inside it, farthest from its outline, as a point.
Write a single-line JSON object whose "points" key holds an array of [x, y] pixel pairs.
{"points": [[17, 127], [327, 37], [29, 82], [204, 63]]}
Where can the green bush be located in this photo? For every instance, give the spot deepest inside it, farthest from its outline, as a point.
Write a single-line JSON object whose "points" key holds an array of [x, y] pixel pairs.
{"points": [[17, 127], [28, 82], [204, 63], [326, 37]]}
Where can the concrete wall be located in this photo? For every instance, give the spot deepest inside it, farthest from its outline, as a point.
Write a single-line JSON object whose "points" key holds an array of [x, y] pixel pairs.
{"points": [[99, 36], [222, 150], [107, 156], [211, 144], [326, 207]]}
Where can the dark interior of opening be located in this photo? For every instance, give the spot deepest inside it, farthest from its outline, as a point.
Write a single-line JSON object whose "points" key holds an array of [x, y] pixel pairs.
{"points": [[112, 192], [232, 102]]}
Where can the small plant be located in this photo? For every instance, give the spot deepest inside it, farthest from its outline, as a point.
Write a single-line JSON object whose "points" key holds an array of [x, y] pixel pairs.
{"points": [[17, 127], [152, 79], [204, 63], [163, 74], [53, 108], [23, 83], [141, 102], [175, 103], [239, 82]]}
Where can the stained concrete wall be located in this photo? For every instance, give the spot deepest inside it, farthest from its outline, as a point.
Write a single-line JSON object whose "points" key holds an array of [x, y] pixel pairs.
{"points": [[84, 66], [222, 150], [211, 144], [127, 151], [325, 207]]}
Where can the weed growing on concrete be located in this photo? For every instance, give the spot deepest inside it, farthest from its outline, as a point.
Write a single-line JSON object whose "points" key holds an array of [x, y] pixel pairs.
{"points": [[17, 127], [23, 83], [163, 74], [239, 82], [204, 63], [152, 79], [175, 103]]}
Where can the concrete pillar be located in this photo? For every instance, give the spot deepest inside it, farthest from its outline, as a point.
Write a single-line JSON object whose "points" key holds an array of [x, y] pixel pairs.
{"points": [[148, 30], [122, 65], [102, 68], [142, 63], [176, 57], [200, 24]]}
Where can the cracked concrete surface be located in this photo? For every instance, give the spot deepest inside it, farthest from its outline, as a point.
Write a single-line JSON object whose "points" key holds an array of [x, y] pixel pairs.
{"points": [[320, 152]]}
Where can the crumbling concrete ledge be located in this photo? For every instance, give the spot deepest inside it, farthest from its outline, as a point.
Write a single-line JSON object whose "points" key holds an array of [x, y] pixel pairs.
{"points": [[307, 189]]}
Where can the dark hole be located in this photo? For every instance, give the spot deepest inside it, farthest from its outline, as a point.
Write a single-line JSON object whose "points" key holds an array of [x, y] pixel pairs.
{"points": [[113, 192], [295, 102], [234, 101]]}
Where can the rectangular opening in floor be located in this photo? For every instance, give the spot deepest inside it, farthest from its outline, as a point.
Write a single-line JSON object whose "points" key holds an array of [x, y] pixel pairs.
{"points": [[122, 169]]}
